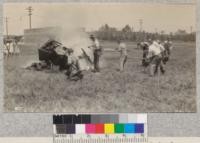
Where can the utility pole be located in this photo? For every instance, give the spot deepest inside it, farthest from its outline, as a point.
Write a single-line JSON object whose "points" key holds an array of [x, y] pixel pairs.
{"points": [[6, 18], [30, 9], [191, 29], [141, 24], [156, 30], [141, 36], [132, 29], [7, 37]]}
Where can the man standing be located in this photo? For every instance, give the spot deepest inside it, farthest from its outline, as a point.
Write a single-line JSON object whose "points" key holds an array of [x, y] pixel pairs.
{"points": [[123, 54], [155, 56], [97, 52], [167, 52], [168, 46]]}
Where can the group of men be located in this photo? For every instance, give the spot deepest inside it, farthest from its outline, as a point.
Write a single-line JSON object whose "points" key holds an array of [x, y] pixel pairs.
{"points": [[74, 71], [71, 61], [97, 51], [11, 48], [156, 55]]}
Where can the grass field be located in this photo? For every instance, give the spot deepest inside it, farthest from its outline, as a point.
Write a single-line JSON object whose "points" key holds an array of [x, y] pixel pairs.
{"points": [[111, 91]]}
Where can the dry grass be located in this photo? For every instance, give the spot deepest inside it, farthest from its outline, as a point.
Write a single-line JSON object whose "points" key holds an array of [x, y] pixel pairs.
{"points": [[111, 91]]}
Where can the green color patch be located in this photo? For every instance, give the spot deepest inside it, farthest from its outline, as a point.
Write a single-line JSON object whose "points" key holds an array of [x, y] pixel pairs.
{"points": [[119, 128]]}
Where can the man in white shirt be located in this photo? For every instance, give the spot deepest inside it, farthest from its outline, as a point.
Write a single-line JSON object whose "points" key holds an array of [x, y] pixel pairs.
{"points": [[123, 54], [97, 52], [155, 56]]}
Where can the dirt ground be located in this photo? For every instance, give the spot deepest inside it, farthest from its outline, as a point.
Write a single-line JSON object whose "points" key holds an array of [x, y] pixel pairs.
{"points": [[110, 91]]}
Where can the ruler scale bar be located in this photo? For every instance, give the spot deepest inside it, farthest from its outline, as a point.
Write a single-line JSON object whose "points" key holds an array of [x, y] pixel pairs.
{"points": [[100, 128]]}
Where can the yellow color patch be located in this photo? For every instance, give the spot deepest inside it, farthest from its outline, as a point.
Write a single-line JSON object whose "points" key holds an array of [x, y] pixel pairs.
{"points": [[109, 128]]}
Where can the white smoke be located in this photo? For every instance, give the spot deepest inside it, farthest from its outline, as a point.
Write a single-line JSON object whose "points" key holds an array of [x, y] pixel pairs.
{"points": [[77, 39]]}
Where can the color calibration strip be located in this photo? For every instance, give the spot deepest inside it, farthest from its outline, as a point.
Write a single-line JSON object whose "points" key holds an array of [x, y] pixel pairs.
{"points": [[100, 127]]}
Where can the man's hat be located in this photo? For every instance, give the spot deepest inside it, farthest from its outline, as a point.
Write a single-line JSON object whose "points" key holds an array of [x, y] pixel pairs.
{"points": [[70, 50], [158, 41], [168, 38], [92, 36], [118, 41], [64, 48]]}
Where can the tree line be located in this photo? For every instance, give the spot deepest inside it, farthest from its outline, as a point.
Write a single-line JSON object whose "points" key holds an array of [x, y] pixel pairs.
{"points": [[106, 32]]}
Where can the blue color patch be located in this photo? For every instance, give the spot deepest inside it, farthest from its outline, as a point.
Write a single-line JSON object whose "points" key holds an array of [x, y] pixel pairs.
{"points": [[129, 128], [139, 128]]}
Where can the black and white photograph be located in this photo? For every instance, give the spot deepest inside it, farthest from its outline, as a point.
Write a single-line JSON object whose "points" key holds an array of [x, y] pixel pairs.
{"points": [[99, 57]]}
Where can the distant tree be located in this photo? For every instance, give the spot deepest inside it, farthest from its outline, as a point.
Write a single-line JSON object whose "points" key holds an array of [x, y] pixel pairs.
{"points": [[106, 32], [181, 32], [162, 35], [127, 32], [162, 32], [127, 29]]}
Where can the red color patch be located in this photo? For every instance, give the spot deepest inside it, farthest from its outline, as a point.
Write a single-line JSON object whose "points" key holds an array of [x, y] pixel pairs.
{"points": [[99, 128]]}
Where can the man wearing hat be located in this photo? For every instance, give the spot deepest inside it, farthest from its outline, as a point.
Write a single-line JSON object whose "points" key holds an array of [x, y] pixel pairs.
{"points": [[168, 48], [97, 52], [155, 56], [123, 54]]}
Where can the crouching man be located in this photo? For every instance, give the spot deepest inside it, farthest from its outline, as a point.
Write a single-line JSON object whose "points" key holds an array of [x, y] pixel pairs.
{"points": [[73, 70], [155, 58]]}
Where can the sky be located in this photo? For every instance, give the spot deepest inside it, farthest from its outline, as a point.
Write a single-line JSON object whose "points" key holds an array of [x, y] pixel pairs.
{"points": [[155, 17]]}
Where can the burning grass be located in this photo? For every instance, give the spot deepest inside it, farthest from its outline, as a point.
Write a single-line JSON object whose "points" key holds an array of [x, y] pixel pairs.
{"points": [[110, 91]]}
